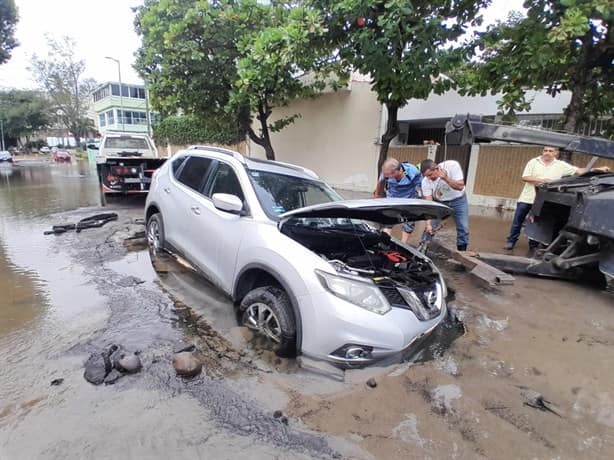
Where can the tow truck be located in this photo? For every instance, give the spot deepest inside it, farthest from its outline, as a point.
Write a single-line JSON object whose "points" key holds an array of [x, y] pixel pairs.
{"points": [[125, 163], [573, 217]]}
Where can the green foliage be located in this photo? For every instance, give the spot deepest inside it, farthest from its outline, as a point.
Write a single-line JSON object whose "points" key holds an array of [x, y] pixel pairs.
{"points": [[406, 47], [559, 45], [61, 76], [189, 129], [23, 113], [284, 62], [227, 59], [8, 21]]}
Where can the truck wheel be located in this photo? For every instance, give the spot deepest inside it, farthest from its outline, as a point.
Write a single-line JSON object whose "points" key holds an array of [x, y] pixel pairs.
{"points": [[155, 234], [268, 312]]}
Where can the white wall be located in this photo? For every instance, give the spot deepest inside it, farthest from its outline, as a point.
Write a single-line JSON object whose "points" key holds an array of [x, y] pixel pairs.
{"points": [[335, 137], [450, 103]]}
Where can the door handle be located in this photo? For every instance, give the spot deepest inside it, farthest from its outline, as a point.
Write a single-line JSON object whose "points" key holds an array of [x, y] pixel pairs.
{"points": [[167, 190], [195, 210]]}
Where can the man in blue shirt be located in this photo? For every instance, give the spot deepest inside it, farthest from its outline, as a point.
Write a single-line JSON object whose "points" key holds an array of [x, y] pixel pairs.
{"points": [[399, 180]]}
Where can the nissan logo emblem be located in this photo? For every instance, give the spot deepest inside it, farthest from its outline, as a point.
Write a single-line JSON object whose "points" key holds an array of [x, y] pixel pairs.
{"points": [[431, 297]]}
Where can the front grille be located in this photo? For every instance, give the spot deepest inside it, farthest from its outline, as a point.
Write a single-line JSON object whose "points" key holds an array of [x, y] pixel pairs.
{"points": [[394, 297], [424, 312]]}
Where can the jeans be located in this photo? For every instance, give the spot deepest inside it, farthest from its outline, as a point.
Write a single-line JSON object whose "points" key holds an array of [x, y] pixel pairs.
{"points": [[460, 206], [521, 213]]}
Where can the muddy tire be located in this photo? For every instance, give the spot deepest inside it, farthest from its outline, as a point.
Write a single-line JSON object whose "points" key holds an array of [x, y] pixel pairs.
{"points": [[155, 234], [267, 311]]}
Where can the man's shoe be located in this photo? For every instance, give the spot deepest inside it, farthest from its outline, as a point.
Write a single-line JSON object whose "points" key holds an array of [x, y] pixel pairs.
{"points": [[461, 247], [508, 246]]}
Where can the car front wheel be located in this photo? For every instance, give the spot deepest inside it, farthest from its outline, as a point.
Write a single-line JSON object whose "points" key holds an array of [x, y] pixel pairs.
{"points": [[268, 312], [155, 234]]}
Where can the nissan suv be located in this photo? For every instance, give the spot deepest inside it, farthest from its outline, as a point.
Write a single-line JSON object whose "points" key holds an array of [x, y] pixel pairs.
{"points": [[310, 272]]}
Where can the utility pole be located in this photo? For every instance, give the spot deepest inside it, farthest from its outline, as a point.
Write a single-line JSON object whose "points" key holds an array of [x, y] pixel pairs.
{"points": [[121, 91], [2, 129], [147, 111]]}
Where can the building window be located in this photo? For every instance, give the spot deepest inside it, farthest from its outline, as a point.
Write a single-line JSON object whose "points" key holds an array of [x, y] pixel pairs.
{"points": [[115, 90], [110, 117], [101, 120]]}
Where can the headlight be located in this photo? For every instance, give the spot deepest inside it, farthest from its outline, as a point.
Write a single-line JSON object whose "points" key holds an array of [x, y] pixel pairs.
{"points": [[358, 292]]}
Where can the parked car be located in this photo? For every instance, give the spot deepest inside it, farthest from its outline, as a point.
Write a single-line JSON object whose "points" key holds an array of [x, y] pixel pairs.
{"points": [[62, 156], [311, 272], [44, 150], [5, 156]]}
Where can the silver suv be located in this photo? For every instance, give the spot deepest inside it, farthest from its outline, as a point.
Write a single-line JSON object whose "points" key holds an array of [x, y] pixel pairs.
{"points": [[313, 274]]}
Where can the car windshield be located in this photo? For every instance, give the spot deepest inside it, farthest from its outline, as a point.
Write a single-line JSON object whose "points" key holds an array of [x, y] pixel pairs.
{"points": [[279, 193], [131, 143]]}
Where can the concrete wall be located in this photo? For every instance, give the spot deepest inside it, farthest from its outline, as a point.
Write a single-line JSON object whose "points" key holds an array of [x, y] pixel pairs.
{"points": [[335, 137]]}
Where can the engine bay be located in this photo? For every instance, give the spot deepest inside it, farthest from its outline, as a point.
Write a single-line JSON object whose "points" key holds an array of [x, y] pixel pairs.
{"points": [[361, 250]]}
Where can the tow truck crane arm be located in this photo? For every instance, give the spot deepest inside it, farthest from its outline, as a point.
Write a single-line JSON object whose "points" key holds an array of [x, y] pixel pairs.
{"points": [[573, 216]]}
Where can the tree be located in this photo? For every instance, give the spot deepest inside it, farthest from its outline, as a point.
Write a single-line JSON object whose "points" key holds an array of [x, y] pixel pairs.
{"points": [[224, 60], [61, 76], [8, 21], [404, 46], [23, 113], [282, 63], [559, 45]]}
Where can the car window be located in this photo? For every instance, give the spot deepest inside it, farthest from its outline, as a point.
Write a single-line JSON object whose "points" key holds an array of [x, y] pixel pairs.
{"points": [[279, 193], [176, 164], [225, 180], [194, 172]]}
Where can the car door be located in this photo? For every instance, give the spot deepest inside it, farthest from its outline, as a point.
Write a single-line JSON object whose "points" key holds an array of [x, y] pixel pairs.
{"points": [[185, 205], [221, 231], [166, 195]]}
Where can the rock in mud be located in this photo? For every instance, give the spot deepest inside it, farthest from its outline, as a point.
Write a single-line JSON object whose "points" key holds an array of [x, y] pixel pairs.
{"points": [[277, 414], [371, 383], [130, 363], [182, 346], [56, 382], [186, 364], [96, 368], [113, 377]]}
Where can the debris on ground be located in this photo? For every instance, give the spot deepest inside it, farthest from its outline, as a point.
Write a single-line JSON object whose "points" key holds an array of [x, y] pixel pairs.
{"points": [[97, 220], [110, 365], [371, 383], [186, 364], [56, 382], [536, 400]]}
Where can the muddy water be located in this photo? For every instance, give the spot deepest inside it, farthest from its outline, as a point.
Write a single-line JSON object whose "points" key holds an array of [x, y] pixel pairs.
{"points": [[66, 296]]}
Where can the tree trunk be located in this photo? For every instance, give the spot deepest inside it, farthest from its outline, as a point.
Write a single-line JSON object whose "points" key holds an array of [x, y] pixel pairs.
{"points": [[263, 116], [392, 130], [263, 140]]}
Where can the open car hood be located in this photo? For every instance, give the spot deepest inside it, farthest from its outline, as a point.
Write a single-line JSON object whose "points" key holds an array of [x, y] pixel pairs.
{"points": [[387, 211]]}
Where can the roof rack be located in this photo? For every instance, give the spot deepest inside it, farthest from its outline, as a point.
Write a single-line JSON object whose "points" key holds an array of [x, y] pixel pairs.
{"points": [[307, 171], [232, 153]]}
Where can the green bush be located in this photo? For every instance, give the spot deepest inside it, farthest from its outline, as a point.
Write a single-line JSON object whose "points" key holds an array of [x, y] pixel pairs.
{"points": [[188, 129]]}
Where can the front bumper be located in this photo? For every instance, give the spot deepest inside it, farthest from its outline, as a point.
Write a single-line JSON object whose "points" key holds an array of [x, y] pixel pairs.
{"points": [[335, 323]]}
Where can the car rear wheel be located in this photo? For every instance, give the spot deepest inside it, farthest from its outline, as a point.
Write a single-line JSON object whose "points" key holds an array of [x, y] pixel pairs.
{"points": [[155, 234], [268, 312]]}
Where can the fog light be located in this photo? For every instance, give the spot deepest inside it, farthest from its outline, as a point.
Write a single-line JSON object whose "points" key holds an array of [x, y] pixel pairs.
{"points": [[353, 352]]}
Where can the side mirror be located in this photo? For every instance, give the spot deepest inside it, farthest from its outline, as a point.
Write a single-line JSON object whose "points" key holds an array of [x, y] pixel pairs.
{"points": [[228, 203]]}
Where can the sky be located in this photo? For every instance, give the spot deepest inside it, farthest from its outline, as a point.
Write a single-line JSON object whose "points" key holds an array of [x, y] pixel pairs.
{"points": [[103, 28]]}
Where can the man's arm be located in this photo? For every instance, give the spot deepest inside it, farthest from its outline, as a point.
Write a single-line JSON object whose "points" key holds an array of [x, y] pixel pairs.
{"points": [[429, 227], [379, 189], [580, 171], [456, 184], [534, 180]]}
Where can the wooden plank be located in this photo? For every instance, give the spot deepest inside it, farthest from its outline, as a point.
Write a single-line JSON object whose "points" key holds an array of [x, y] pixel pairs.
{"points": [[476, 267], [507, 263]]}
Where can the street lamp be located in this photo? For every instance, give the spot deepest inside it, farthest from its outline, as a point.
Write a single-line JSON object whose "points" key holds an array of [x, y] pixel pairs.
{"points": [[121, 92]]}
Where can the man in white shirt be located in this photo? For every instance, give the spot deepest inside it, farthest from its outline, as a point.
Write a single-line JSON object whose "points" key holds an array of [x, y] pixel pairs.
{"points": [[445, 182], [540, 170]]}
